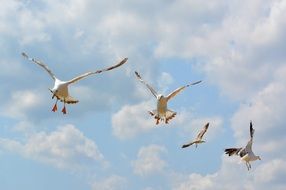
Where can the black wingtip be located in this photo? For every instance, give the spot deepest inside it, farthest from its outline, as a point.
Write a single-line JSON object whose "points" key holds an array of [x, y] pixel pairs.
{"points": [[124, 60], [185, 146], [24, 54], [137, 74], [196, 82]]}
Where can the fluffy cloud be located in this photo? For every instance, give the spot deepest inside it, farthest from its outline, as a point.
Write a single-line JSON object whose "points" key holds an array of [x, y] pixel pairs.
{"points": [[132, 120], [149, 161], [22, 102], [191, 125], [235, 176], [65, 148]]}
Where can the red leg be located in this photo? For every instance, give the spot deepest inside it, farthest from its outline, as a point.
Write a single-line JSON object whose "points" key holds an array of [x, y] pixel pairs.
{"points": [[151, 113], [55, 108], [157, 122], [64, 109]]}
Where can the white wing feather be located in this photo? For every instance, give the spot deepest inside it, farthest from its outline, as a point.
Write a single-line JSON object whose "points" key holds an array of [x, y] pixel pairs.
{"points": [[146, 84], [178, 90], [40, 64], [97, 72]]}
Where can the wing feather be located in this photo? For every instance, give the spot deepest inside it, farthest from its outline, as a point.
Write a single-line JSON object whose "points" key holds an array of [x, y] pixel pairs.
{"points": [[187, 145], [178, 90], [251, 130], [97, 72], [232, 151], [146, 84], [40, 64], [203, 131]]}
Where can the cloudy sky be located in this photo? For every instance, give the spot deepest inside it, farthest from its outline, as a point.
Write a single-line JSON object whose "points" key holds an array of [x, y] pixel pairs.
{"points": [[108, 141]]}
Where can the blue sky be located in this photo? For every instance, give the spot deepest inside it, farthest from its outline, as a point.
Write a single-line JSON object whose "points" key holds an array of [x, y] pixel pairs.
{"points": [[108, 141]]}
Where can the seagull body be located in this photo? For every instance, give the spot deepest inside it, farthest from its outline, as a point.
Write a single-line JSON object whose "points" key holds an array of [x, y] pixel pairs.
{"points": [[199, 137], [162, 113], [246, 154], [60, 89]]}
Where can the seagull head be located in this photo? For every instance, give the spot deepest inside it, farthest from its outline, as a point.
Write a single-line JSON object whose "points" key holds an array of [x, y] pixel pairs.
{"points": [[160, 96], [53, 91]]}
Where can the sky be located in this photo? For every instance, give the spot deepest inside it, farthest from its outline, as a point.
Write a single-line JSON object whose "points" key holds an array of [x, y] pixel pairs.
{"points": [[108, 141]]}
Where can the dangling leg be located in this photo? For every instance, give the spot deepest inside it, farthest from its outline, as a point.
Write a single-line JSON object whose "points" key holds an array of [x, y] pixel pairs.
{"points": [[249, 165], [55, 108], [246, 165], [157, 121], [196, 145], [64, 108], [151, 113]]}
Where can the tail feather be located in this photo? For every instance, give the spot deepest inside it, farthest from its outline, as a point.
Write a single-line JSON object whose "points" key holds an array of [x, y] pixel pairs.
{"points": [[170, 115]]}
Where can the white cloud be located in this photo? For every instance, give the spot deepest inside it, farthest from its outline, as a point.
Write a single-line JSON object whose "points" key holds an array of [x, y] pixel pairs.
{"points": [[132, 120], [22, 102], [113, 182], [234, 175], [65, 148], [149, 161], [191, 124]]}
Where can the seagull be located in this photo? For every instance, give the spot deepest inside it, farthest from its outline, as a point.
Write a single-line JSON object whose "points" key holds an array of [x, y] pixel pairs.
{"points": [[162, 112], [60, 89], [245, 153], [199, 137]]}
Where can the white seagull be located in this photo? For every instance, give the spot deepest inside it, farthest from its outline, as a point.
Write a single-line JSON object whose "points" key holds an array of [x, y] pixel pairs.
{"points": [[245, 153], [162, 112], [199, 137], [60, 89]]}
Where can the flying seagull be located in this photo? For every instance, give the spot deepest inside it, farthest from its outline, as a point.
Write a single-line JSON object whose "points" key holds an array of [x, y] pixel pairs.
{"points": [[60, 89], [245, 153], [199, 137], [162, 112]]}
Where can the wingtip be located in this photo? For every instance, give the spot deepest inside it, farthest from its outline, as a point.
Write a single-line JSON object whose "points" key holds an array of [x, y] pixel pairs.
{"points": [[125, 59], [137, 74], [24, 54], [194, 83]]}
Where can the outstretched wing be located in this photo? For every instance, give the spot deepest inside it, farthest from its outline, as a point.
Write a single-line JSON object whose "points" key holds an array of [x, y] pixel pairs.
{"points": [[248, 147], [178, 90], [97, 72], [203, 131], [147, 85], [40, 64], [251, 130], [187, 145], [232, 151]]}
